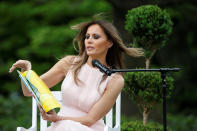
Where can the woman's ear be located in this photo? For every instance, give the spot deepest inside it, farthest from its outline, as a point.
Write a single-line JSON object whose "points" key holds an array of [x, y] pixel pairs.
{"points": [[110, 44]]}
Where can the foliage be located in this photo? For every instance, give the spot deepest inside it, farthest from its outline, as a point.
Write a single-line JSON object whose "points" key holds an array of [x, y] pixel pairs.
{"points": [[138, 126], [150, 27], [177, 122], [184, 41], [145, 88], [182, 122], [14, 111]]}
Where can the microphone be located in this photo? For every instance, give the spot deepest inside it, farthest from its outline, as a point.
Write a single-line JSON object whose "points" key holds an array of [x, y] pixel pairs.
{"points": [[101, 67]]}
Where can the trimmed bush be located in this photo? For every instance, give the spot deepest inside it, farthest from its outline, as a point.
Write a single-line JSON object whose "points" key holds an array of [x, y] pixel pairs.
{"points": [[145, 89], [138, 126], [150, 27]]}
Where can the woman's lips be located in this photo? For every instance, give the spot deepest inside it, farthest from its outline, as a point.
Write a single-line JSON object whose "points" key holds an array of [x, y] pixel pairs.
{"points": [[89, 48]]}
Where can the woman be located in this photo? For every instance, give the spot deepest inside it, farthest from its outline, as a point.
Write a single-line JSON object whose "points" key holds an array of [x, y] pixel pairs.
{"points": [[87, 93]]}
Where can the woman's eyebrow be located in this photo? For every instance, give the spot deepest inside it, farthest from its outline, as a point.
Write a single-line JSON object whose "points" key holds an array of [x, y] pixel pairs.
{"points": [[97, 33]]}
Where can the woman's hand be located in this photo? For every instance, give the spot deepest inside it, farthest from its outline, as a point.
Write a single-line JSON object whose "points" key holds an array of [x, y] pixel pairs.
{"points": [[49, 116], [24, 65]]}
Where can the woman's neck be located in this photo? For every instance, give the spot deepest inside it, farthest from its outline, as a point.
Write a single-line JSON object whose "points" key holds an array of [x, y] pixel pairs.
{"points": [[101, 60]]}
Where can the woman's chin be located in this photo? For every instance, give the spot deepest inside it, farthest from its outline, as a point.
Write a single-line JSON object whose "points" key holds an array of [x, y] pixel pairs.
{"points": [[94, 54], [90, 53]]}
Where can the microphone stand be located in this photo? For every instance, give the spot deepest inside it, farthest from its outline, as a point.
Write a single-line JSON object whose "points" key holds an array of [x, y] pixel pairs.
{"points": [[163, 72]]}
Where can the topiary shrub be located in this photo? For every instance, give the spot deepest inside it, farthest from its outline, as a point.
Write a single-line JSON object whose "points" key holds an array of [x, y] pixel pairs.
{"points": [[138, 126], [150, 27], [145, 89]]}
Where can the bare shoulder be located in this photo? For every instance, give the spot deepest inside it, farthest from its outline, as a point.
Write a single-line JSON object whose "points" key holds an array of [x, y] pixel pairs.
{"points": [[117, 81], [68, 59], [63, 64]]}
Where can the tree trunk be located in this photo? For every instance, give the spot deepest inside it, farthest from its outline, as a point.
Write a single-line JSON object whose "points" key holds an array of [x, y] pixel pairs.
{"points": [[145, 116], [148, 60], [148, 63]]}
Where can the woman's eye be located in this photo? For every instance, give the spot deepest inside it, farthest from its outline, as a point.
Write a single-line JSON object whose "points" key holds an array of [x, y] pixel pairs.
{"points": [[87, 36], [96, 36]]}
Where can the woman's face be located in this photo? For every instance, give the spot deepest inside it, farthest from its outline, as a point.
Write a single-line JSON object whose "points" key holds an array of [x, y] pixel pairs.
{"points": [[96, 42]]}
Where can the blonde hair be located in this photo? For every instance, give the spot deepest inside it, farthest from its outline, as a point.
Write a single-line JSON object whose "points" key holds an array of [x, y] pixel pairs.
{"points": [[114, 57]]}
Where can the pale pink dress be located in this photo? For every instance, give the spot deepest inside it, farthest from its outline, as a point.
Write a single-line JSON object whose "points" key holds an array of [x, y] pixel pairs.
{"points": [[78, 100]]}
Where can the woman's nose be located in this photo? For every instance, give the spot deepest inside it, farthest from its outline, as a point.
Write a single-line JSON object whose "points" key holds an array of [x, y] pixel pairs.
{"points": [[90, 40]]}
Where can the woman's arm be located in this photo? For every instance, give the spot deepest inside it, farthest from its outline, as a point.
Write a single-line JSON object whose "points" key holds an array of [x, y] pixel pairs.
{"points": [[24, 65], [106, 102], [101, 108], [57, 72], [51, 78]]}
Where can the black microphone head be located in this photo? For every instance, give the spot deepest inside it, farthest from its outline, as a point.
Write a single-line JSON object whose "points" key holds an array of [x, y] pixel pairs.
{"points": [[94, 62], [101, 67]]}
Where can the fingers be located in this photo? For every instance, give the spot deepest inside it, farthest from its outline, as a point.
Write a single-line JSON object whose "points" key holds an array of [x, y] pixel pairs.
{"points": [[12, 69], [44, 116], [32, 96], [23, 64], [49, 116], [50, 112], [43, 113], [40, 108]]}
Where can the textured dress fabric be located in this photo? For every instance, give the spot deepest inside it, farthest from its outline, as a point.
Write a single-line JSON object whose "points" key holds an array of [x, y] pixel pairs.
{"points": [[77, 100]]}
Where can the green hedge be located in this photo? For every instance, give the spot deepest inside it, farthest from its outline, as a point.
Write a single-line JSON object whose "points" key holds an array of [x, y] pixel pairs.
{"points": [[15, 111], [182, 122], [138, 126], [175, 122]]}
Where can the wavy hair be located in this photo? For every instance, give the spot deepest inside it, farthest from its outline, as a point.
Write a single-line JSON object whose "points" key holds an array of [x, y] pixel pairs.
{"points": [[114, 56]]}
